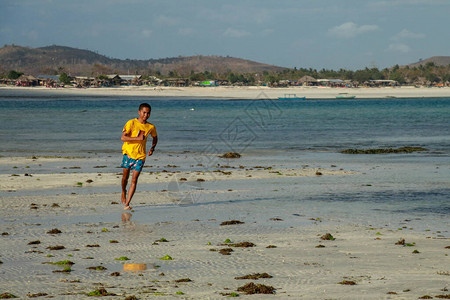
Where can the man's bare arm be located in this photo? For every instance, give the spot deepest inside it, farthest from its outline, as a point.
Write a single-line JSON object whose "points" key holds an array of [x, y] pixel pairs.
{"points": [[127, 138], [154, 142]]}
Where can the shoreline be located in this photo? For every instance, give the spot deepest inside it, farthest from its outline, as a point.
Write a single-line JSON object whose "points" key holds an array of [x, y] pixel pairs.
{"points": [[249, 93]]}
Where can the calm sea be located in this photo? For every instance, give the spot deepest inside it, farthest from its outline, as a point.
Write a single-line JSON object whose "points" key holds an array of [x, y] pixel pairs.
{"points": [[81, 125], [295, 133]]}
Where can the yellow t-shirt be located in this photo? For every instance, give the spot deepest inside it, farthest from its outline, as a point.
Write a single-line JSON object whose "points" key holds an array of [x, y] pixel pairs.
{"points": [[136, 149]]}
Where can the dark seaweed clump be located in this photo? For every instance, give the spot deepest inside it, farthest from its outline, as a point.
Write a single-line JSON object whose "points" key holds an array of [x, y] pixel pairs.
{"points": [[7, 296], [101, 292], [56, 247], [251, 288], [230, 155], [226, 251], [36, 295], [255, 276], [243, 245], [232, 222], [384, 150], [183, 280], [327, 237]]}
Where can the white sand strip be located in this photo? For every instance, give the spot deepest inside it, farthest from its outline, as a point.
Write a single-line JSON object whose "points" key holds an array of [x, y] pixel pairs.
{"points": [[242, 92]]}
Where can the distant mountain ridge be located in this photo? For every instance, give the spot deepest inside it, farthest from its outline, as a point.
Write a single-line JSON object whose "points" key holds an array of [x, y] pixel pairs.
{"points": [[56, 59], [437, 60]]}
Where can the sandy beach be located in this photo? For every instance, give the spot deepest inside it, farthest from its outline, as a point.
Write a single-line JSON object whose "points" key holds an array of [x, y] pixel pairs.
{"points": [[79, 241], [243, 92]]}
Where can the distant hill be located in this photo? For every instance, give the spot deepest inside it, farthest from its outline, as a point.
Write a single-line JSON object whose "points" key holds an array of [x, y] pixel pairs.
{"points": [[437, 60], [57, 59]]}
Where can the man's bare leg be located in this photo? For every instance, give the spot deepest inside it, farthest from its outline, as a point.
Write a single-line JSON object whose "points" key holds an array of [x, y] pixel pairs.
{"points": [[126, 174], [134, 180]]}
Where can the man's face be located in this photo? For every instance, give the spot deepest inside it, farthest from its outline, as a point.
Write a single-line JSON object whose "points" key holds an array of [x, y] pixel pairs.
{"points": [[144, 113]]}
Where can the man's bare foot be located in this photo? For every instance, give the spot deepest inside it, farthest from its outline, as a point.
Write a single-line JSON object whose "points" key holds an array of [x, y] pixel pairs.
{"points": [[127, 207], [124, 197]]}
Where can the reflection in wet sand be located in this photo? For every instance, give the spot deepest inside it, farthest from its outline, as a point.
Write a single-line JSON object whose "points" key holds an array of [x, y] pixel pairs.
{"points": [[134, 267], [126, 217]]}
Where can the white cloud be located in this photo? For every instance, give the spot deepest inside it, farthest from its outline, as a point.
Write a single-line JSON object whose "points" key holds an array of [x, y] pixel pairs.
{"points": [[235, 33], [267, 31], [166, 21], [406, 34], [186, 31], [350, 30], [146, 33], [32, 35], [399, 47], [391, 3]]}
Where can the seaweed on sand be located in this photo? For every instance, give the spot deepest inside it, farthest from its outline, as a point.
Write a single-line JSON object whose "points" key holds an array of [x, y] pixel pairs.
{"points": [[243, 245], [183, 280], [401, 242], [66, 269], [230, 155], [56, 247], [101, 292], [36, 295], [327, 237], [97, 268], [384, 150], [255, 276], [232, 222], [167, 257], [7, 296], [62, 263], [226, 251], [122, 258], [251, 288]]}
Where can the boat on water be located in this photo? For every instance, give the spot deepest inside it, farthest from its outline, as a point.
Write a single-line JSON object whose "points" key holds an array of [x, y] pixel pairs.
{"points": [[291, 97], [345, 96]]}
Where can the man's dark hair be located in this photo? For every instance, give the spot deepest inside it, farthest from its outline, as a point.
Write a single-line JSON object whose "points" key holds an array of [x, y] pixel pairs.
{"points": [[145, 105]]}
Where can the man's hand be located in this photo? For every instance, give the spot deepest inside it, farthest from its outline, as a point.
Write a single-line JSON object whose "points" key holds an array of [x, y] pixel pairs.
{"points": [[141, 135], [150, 152]]}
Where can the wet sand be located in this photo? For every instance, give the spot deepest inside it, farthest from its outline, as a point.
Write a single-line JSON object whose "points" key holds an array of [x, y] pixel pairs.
{"points": [[166, 246]]}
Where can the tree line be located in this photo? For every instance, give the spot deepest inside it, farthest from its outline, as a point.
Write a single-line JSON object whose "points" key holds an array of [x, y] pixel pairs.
{"points": [[428, 73]]}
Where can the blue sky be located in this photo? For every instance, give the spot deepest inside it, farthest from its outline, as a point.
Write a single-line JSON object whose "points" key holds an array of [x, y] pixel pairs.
{"points": [[318, 34]]}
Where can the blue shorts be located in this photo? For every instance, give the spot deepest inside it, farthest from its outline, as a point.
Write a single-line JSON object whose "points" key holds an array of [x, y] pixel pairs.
{"points": [[133, 164]]}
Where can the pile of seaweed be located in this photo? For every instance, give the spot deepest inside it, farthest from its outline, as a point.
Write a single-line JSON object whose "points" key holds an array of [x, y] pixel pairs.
{"points": [[384, 150]]}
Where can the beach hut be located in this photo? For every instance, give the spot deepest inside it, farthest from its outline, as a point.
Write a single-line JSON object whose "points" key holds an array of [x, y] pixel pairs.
{"points": [[307, 80], [379, 83], [27, 80], [130, 79], [179, 82], [84, 81], [114, 79]]}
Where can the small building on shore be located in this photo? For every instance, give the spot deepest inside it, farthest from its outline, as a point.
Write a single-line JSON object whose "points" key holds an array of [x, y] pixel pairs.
{"points": [[307, 81], [381, 83], [27, 80]]}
